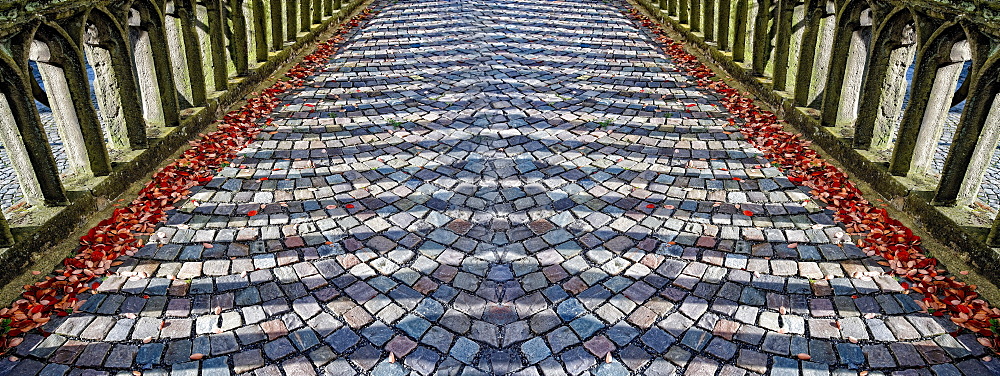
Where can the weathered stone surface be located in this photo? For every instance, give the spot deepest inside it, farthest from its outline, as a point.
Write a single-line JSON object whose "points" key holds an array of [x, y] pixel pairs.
{"points": [[519, 187]]}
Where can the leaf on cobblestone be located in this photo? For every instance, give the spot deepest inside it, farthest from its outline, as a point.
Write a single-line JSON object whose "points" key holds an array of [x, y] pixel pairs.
{"points": [[118, 234], [880, 235]]}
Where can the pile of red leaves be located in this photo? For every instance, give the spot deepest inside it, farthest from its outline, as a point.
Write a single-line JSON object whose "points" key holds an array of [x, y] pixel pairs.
{"points": [[58, 294], [880, 235]]}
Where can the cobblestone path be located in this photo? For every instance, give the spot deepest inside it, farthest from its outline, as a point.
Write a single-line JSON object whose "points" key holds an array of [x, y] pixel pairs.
{"points": [[521, 186]]}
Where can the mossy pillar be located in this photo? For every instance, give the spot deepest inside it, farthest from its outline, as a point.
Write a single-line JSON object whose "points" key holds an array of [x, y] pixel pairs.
{"points": [[192, 51], [846, 71], [291, 19], [695, 17], [740, 32], [971, 149], [6, 238], [762, 36], [782, 40], [993, 239], [305, 15], [937, 70], [260, 31], [708, 22], [240, 40], [61, 65], [884, 84], [25, 140], [807, 54], [164, 73], [317, 11], [110, 55], [217, 44], [978, 130], [683, 6], [724, 23]]}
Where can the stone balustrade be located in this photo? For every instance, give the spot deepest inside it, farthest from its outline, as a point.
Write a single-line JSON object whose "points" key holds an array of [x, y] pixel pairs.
{"points": [[127, 82], [883, 85]]}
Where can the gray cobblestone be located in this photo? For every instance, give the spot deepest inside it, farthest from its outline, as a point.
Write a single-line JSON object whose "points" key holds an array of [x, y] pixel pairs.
{"points": [[520, 187]]}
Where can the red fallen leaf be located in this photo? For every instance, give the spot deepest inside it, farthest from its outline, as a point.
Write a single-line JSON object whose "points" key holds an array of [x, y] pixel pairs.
{"points": [[331, 206], [349, 206], [747, 213], [737, 179], [263, 178], [650, 206], [668, 206], [252, 213]]}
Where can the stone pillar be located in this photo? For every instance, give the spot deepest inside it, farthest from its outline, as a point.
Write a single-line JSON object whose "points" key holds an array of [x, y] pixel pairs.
{"points": [[975, 139], [884, 86], [260, 31], [26, 144], [932, 91], [149, 90], [740, 31], [317, 6], [118, 85], [973, 145], [21, 159], [240, 40], [61, 103], [807, 52], [217, 44], [305, 15], [724, 24], [814, 55], [277, 25], [695, 17], [762, 36], [845, 74], [68, 91], [708, 19], [682, 11], [783, 43], [994, 237], [174, 36], [824, 54], [291, 19], [328, 8], [6, 238], [163, 68], [192, 52], [108, 89]]}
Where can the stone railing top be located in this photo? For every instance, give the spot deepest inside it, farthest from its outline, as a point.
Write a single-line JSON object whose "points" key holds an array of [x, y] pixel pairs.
{"points": [[985, 12], [16, 13]]}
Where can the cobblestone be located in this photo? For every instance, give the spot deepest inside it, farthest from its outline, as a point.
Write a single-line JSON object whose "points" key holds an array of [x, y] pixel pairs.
{"points": [[521, 187]]}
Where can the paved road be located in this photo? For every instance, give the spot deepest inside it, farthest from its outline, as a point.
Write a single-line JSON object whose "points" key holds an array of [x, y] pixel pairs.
{"points": [[519, 187]]}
